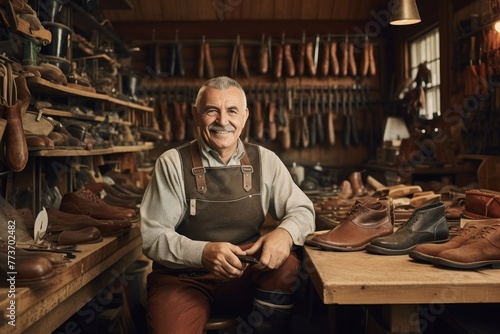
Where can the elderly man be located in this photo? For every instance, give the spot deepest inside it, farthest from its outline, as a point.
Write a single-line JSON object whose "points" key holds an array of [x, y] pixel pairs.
{"points": [[202, 211]]}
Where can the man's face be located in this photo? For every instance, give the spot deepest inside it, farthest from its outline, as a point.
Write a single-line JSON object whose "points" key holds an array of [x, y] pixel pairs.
{"points": [[221, 117]]}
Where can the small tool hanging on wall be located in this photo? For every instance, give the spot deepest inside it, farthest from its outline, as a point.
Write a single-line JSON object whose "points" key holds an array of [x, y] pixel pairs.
{"points": [[288, 58], [205, 64], [264, 55], [176, 65], [239, 60]]}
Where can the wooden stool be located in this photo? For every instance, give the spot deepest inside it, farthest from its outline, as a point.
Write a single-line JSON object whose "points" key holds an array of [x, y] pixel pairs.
{"points": [[215, 323]]}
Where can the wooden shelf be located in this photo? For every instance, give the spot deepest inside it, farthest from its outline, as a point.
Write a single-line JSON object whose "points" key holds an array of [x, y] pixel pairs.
{"points": [[39, 85], [95, 267], [98, 151], [68, 114]]}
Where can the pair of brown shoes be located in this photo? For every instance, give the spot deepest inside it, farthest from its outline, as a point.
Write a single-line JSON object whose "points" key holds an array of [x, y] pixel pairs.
{"points": [[60, 222], [477, 245], [85, 202]]}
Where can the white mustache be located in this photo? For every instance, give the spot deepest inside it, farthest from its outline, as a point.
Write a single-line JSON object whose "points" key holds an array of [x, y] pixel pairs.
{"points": [[218, 128]]}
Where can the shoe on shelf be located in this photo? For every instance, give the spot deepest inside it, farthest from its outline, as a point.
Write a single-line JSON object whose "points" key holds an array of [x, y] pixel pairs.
{"points": [[426, 224], [63, 221], [32, 271], [86, 202], [87, 235]]}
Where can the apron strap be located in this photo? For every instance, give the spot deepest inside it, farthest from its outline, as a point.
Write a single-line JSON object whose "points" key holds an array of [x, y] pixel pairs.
{"points": [[199, 171]]}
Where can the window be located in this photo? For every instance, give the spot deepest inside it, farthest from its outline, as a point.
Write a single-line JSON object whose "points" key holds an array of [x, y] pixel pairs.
{"points": [[425, 50]]}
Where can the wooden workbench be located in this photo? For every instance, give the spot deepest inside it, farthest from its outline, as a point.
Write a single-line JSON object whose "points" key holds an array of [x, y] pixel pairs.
{"points": [[96, 267], [398, 283]]}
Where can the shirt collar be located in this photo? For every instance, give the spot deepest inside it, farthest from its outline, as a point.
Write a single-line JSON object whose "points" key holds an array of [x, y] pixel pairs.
{"points": [[208, 153]]}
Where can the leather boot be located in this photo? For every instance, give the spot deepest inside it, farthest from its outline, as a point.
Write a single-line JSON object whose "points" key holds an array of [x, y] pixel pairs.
{"points": [[483, 249], [426, 224], [480, 204], [15, 149], [428, 251], [365, 222], [271, 313]]}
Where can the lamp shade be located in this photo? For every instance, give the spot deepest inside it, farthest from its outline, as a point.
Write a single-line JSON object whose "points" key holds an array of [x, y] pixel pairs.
{"points": [[404, 12]]}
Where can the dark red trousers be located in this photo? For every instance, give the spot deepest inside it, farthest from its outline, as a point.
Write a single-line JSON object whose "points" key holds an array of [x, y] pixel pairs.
{"points": [[181, 301]]}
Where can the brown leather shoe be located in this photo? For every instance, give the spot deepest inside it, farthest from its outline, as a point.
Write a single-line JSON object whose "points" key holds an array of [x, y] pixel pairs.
{"points": [[481, 204], [58, 260], [482, 249], [31, 271], [88, 235], [363, 223], [427, 252], [86, 202], [63, 221]]}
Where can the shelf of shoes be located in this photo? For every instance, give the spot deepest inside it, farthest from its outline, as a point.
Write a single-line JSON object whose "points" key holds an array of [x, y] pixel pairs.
{"points": [[96, 267], [97, 151], [40, 85], [68, 114]]}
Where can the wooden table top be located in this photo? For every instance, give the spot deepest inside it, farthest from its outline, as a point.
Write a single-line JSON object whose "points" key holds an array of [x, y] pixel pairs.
{"points": [[359, 278]]}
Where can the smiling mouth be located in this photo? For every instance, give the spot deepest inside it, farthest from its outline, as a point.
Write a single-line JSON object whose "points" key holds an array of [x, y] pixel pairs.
{"points": [[221, 132]]}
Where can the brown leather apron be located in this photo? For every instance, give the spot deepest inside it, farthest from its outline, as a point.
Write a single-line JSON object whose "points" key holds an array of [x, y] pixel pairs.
{"points": [[224, 202]]}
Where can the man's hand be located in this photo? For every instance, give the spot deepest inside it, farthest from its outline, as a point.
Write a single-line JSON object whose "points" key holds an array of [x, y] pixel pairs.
{"points": [[220, 259], [274, 248]]}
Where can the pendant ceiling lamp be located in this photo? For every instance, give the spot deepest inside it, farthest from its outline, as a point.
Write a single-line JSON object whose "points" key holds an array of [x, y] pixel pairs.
{"points": [[404, 12]]}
